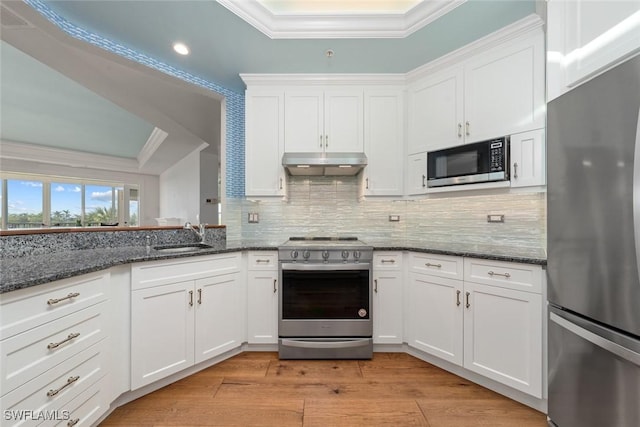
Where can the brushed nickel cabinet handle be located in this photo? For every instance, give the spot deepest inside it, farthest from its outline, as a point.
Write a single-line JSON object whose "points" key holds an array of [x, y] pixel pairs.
{"points": [[423, 183], [260, 261], [200, 296], [384, 261], [70, 381], [457, 298], [459, 130], [71, 423], [57, 300], [375, 288], [505, 275], [321, 141], [428, 264], [367, 181], [70, 337], [515, 170], [190, 298], [275, 288], [468, 128], [326, 141], [468, 304], [280, 183]]}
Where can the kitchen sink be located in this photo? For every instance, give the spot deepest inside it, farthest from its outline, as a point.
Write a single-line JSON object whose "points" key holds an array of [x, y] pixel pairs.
{"points": [[191, 247]]}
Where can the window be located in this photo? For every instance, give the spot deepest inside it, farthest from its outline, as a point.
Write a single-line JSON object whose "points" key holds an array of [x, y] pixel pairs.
{"points": [[24, 203], [31, 201], [66, 204]]}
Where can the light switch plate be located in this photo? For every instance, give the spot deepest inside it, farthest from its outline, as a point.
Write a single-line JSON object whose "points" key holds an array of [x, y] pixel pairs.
{"points": [[254, 218]]}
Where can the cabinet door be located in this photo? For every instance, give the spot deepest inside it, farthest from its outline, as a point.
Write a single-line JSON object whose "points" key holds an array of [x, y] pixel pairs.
{"points": [[528, 166], [383, 143], [503, 336], [264, 144], [504, 90], [218, 320], [304, 121], [161, 332], [343, 121], [262, 307], [436, 111], [387, 307], [435, 316], [417, 174]]}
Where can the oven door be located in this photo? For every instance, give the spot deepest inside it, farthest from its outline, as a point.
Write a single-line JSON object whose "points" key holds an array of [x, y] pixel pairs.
{"points": [[325, 300]]}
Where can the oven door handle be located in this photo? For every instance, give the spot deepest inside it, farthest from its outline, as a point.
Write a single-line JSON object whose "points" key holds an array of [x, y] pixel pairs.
{"points": [[324, 267], [351, 343]]}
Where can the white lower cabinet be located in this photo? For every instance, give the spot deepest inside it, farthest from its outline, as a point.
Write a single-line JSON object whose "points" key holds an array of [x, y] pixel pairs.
{"points": [[387, 298], [435, 316], [178, 323], [262, 298], [493, 328]]}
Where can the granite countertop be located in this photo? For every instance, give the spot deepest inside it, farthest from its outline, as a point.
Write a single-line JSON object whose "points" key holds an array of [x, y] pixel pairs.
{"points": [[27, 271]]}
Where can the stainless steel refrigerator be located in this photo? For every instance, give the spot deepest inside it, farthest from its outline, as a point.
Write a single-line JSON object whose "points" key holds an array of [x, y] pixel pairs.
{"points": [[593, 208]]}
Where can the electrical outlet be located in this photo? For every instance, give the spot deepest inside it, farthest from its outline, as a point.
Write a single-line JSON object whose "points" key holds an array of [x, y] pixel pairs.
{"points": [[254, 218], [495, 218], [394, 218]]}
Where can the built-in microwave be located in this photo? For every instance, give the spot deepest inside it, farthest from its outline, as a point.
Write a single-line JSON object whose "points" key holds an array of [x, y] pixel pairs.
{"points": [[485, 161]]}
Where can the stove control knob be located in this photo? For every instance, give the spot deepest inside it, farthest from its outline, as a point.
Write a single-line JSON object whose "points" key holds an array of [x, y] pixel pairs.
{"points": [[345, 255], [294, 254], [306, 254], [356, 254], [325, 255]]}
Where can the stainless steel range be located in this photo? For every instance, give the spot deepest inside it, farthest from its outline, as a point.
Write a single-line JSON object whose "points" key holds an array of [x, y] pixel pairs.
{"points": [[325, 299]]}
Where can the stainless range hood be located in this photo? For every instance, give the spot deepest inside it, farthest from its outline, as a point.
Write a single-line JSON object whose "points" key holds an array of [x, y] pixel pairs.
{"points": [[328, 164]]}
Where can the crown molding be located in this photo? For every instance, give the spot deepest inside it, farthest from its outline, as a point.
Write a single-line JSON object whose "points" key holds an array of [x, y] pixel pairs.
{"points": [[306, 79], [513, 31], [333, 26], [154, 141], [58, 156]]}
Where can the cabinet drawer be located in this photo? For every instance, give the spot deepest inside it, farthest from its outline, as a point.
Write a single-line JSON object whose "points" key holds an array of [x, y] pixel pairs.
{"points": [[437, 265], [28, 355], [37, 396], [387, 260], [27, 308], [159, 273], [263, 260], [525, 277], [85, 409]]}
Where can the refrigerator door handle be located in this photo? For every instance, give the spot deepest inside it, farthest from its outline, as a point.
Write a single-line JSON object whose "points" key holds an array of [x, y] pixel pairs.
{"points": [[636, 193], [618, 350]]}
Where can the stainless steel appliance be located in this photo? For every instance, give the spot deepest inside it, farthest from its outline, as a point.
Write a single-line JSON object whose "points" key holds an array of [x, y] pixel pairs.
{"points": [[593, 251], [325, 299], [484, 161]]}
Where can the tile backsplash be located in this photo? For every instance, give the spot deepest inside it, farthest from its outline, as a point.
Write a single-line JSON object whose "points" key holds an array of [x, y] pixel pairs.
{"points": [[334, 206]]}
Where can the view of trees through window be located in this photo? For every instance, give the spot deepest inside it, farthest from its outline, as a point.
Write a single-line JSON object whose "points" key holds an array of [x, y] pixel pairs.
{"points": [[33, 203]]}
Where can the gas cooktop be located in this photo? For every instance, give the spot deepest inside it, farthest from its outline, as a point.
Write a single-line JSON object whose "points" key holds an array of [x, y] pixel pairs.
{"points": [[326, 249]]}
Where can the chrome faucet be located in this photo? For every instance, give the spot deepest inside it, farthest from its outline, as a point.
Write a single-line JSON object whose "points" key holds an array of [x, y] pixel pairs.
{"points": [[200, 232]]}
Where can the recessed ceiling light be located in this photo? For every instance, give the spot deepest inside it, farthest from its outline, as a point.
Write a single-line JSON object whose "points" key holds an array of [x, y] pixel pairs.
{"points": [[181, 48]]}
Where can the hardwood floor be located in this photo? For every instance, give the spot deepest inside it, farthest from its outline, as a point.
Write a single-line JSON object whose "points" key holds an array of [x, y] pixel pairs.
{"points": [[257, 389]]}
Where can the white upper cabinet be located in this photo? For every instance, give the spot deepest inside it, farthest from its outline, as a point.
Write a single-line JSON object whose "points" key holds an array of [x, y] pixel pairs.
{"points": [[436, 111], [497, 92], [384, 142], [323, 120], [586, 37], [417, 174], [264, 174], [528, 159], [504, 90]]}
